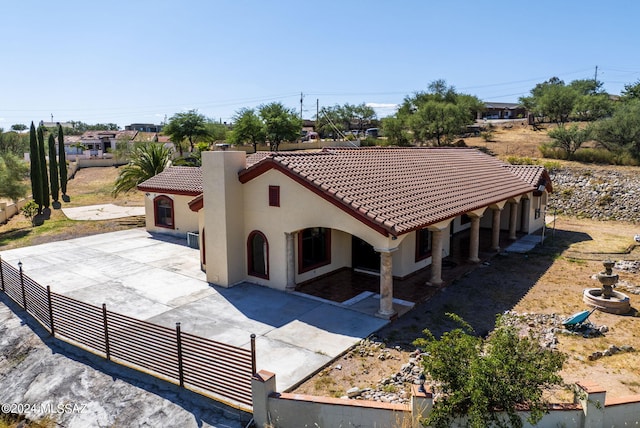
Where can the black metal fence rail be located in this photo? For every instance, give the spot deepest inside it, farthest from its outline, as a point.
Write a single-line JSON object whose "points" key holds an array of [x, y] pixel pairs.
{"points": [[203, 365]]}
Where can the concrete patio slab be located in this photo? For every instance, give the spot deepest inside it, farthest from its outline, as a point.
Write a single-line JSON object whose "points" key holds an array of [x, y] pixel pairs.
{"points": [[101, 212], [158, 279]]}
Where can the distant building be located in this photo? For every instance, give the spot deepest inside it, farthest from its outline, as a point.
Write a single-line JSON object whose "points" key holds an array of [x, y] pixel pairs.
{"points": [[143, 127], [503, 111]]}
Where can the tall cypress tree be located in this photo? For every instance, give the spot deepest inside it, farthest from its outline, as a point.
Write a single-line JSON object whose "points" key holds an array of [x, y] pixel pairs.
{"points": [[44, 176], [62, 162], [34, 156], [53, 169]]}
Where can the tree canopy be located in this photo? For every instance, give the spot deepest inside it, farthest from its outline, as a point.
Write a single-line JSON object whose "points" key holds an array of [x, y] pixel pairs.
{"points": [[340, 118], [247, 127], [190, 126], [622, 130], [280, 123], [13, 172], [436, 115], [484, 379]]}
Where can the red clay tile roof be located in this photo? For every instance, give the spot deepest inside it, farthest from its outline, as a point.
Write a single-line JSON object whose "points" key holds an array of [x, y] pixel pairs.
{"points": [[397, 190], [535, 175], [176, 180]]}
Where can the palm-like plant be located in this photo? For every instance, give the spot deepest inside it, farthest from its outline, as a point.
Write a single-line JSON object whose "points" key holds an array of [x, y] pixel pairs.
{"points": [[146, 161]]}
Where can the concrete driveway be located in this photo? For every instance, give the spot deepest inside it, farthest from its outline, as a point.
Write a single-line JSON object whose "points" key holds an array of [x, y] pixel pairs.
{"points": [[158, 279]]}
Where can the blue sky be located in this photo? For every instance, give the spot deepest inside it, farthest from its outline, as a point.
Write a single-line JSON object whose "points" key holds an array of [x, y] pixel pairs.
{"points": [[139, 60]]}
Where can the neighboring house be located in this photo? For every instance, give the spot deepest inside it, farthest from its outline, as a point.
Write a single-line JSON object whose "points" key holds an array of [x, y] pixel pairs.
{"points": [[503, 111], [144, 127], [280, 219], [99, 144], [167, 200]]}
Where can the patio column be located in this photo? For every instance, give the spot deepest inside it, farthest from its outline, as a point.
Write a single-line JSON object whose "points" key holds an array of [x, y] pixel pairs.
{"points": [[474, 242], [291, 263], [513, 219], [495, 237], [386, 310], [436, 256]]}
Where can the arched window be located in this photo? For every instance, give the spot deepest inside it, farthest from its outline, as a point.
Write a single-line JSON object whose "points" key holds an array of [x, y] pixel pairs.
{"points": [[258, 255], [163, 208]]}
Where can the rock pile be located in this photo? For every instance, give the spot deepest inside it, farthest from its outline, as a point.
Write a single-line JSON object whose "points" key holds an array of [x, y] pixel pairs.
{"points": [[600, 194], [544, 327]]}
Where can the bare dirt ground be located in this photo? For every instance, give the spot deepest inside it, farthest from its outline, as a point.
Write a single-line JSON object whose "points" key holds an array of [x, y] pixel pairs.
{"points": [[550, 279]]}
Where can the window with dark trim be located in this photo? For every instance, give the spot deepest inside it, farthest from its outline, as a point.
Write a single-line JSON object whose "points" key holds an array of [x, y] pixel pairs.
{"points": [[258, 255], [163, 209], [464, 219], [314, 248], [274, 196], [423, 244]]}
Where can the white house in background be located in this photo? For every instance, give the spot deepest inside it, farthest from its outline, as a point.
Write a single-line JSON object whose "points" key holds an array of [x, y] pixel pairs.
{"points": [[279, 219]]}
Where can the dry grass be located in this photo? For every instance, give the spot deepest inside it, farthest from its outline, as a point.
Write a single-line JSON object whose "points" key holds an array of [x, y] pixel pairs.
{"points": [[91, 186], [544, 281]]}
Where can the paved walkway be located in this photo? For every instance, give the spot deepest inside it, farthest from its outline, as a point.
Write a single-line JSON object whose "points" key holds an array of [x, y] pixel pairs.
{"points": [[158, 279], [102, 212]]}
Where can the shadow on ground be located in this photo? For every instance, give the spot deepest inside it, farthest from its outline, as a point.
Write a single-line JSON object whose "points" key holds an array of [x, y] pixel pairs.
{"points": [[205, 411], [492, 288]]}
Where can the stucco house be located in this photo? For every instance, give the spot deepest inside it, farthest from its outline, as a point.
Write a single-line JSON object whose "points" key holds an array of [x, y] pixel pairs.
{"points": [[280, 219]]}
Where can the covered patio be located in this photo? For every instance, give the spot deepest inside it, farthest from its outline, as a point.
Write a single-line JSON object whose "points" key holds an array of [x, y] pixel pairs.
{"points": [[346, 284]]}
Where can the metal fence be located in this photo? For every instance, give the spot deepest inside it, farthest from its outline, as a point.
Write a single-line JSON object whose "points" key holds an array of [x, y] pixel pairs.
{"points": [[202, 365]]}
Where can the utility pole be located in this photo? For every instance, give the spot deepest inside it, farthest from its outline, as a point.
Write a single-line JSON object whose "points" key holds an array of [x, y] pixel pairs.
{"points": [[317, 113], [301, 97], [595, 78]]}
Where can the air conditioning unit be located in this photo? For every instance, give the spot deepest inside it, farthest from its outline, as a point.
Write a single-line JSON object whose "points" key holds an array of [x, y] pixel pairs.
{"points": [[192, 240]]}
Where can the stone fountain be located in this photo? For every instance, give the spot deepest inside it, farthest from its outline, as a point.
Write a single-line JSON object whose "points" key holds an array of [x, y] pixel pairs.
{"points": [[605, 299]]}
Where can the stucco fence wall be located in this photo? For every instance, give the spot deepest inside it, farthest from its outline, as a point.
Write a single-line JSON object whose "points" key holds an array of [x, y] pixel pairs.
{"points": [[282, 410], [9, 209]]}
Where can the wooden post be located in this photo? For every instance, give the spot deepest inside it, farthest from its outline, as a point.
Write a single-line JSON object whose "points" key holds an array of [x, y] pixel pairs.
{"points": [[179, 342], [53, 331], [106, 331]]}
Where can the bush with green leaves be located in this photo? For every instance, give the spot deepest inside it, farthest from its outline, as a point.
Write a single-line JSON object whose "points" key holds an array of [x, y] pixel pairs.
{"points": [[488, 380]]}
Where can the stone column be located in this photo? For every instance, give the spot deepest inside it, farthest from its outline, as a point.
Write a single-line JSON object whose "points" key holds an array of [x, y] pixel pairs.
{"points": [[495, 237], [513, 220], [386, 285], [436, 257], [474, 242], [291, 263]]}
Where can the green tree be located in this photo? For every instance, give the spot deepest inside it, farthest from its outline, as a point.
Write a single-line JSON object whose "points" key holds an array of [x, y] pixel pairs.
{"points": [[53, 169], [30, 210], [13, 142], [19, 127], [557, 103], [13, 172], [216, 131], [281, 123], [592, 107], [36, 172], [484, 379], [621, 132], [395, 131], [247, 128], [190, 126], [570, 139], [439, 114], [62, 162], [331, 121], [631, 91], [147, 161], [44, 176]]}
